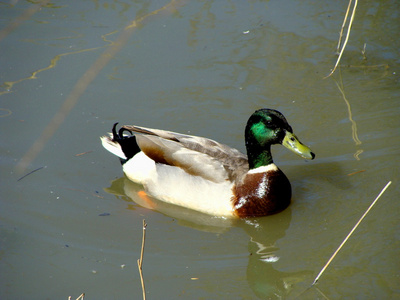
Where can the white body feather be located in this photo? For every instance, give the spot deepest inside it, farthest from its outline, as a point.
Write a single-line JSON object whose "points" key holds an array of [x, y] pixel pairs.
{"points": [[173, 185]]}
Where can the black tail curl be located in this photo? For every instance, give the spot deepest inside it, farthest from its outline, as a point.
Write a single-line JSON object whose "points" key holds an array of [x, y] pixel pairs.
{"points": [[120, 135], [128, 143]]}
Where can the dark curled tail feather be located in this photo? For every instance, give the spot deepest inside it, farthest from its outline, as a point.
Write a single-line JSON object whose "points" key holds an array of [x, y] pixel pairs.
{"points": [[128, 143]]}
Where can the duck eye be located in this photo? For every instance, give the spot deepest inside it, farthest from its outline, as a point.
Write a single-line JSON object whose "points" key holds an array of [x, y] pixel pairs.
{"points": [[292, 139], [268, 123]]}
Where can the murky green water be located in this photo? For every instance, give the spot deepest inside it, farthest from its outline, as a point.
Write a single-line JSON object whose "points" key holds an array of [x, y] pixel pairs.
{"points": [[199, 67]]}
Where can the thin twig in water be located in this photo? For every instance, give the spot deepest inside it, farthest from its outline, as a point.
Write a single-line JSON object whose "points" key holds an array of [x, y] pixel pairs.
{"points": [[351, 232], [81, 296], [140, 260], [31, 173], [83, 153], [347, 36], [356, 172]]}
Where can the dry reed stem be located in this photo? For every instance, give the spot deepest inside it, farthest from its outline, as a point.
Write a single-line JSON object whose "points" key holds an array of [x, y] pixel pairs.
{"points": [[81, 297], [342, 29], [140, 260], [347, 35], [350, 233]]}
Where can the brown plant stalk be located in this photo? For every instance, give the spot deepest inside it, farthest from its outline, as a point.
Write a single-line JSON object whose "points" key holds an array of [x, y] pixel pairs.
{"points": [[350, 233], [347, 34], [140, 260]]}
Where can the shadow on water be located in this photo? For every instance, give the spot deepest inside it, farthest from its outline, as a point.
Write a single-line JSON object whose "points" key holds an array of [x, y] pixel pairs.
{"points": [[262, 276]]}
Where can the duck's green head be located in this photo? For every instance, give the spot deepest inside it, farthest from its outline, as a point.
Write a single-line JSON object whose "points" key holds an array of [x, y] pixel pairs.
{"points": [[266, 127]]}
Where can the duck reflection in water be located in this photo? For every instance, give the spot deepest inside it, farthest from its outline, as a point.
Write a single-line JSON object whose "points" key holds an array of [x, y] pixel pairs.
{"points": [[264, 279]]}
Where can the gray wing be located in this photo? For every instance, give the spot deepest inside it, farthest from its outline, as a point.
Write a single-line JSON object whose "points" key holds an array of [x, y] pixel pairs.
{"points": [[196, 155]]}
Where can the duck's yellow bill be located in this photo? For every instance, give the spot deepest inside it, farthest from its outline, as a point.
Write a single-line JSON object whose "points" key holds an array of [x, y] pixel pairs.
{"points": [[291, 142]]}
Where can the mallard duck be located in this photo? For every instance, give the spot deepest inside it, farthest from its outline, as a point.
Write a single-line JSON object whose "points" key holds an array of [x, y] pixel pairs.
{"points": [[207, 176]]}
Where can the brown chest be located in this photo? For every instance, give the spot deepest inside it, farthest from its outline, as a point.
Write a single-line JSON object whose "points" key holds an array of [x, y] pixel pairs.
{"points": [[262, 194]]}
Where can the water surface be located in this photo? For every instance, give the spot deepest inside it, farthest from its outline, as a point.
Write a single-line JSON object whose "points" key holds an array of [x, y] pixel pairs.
{"points": [[198, 67]]}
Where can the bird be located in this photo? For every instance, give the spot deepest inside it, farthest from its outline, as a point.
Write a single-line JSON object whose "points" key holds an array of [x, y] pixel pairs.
{"points": [[207, 176]]}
